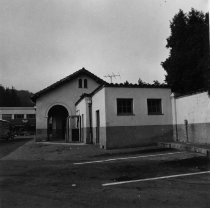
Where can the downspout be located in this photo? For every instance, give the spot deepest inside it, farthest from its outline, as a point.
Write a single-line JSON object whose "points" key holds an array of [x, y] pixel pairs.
{"points": [[176, 119]]}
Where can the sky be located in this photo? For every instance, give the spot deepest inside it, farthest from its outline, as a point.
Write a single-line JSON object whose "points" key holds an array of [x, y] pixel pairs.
{"points": [[44, 41]]}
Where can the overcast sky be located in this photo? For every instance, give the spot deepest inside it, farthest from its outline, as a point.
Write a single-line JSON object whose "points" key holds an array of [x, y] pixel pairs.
{"points": [[43, 41]]}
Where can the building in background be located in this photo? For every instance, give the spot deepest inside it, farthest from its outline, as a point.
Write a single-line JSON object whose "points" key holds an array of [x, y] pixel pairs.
{"points": [[23, 118]]}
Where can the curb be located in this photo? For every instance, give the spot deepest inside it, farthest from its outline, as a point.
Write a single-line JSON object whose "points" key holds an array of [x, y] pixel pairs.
{"points": [[186, 147]]}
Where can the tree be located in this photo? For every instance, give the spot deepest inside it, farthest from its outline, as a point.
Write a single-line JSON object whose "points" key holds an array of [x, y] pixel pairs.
{"points": [[187, 66], [156, 83], [15, 98], [126, 83], [140, 82]]}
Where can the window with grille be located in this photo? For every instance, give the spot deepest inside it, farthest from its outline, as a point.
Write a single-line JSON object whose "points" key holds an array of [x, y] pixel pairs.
{"points": [[7, 116], [154, 106], [124, 106], [21, 116], [30, 116]]}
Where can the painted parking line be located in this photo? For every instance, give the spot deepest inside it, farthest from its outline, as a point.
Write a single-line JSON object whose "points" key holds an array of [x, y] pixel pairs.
{"points": [[156, 178], [126, 158]]}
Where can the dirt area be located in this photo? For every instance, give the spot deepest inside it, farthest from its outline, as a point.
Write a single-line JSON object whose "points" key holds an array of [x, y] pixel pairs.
{"points": [[40, 175]]}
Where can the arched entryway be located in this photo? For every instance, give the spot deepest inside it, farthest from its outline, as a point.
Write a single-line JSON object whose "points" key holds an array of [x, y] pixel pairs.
{"points": [[57, 122]]}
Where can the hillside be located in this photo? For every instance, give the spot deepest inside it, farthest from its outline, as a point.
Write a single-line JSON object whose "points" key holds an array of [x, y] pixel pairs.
{"points": [[15, 98]]}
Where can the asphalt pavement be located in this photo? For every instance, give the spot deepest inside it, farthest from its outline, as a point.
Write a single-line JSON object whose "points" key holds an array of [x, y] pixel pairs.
{"points": [[6, 147]]}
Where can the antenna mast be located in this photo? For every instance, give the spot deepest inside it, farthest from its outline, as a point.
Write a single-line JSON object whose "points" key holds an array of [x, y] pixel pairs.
{"points": [[111, 76]]}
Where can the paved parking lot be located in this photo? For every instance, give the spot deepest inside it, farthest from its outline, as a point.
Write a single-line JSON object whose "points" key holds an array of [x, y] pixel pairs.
{"points": [[7, 147], [78, 177]]}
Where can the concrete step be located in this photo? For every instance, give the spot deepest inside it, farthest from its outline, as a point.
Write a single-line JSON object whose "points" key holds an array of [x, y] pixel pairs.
{"points": [[204, 149]]}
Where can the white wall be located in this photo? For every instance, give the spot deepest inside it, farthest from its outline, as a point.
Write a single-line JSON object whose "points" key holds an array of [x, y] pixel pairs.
{"points": [[81, 108], [139, 96], [98, 103], [16, 110], [194, 108], [66, 95]]}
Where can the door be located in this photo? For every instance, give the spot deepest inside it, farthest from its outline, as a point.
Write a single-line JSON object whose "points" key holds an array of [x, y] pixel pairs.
{"points": [[97, 126], [75, 126]]}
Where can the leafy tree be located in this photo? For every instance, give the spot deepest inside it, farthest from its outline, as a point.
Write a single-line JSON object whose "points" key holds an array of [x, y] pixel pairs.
{"points": [[156, 83], [140, 82], [14, 98], [126, 83], [187, 66]]}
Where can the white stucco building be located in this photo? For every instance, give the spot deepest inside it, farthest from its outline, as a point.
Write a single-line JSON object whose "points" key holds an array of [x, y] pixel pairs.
{"points": [[23, 118], [55, 106], [126, 116], [11, 113], [84, 108]]}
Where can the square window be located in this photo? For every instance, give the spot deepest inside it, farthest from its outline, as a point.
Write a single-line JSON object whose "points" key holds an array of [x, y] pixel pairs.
{"points": [[7, 117], [18, 116], [124, 106], [30, 116], [154, 106]]}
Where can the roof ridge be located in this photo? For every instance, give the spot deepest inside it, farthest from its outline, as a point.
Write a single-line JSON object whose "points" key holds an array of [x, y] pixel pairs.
{"points": [[65, 79]]}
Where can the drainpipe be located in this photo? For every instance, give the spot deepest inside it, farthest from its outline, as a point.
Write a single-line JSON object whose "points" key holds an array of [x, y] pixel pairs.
{"points": [[90, 120], [186, 128], [175, 115]]}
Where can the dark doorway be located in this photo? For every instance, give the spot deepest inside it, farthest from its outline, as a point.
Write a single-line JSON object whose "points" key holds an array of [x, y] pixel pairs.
{"points": [[97, 126], [75, 123], [57, 118]]}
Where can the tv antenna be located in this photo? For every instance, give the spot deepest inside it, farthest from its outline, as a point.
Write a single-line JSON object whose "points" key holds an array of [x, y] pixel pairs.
{"points": [[111, 76]]}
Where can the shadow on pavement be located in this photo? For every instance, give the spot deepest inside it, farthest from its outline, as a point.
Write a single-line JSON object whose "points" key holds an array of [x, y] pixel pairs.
{"points": [[6, 147]]}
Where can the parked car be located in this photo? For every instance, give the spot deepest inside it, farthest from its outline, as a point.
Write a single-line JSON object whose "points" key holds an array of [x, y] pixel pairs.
{"points": [[6, 130]]}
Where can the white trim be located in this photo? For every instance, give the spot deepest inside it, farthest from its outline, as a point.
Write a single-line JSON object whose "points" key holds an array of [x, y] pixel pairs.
{"points": [[156, 178], [125, 158]]}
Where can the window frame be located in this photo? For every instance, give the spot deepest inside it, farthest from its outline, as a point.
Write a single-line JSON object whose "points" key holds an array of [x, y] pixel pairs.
{"points": [[119, 112], [16, 116], [28, 116], [159, 107], [8, 116]]}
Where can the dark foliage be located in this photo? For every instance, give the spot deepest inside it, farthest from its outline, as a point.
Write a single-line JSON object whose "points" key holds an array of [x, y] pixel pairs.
{"points": [[187, 66], [15, 98]]}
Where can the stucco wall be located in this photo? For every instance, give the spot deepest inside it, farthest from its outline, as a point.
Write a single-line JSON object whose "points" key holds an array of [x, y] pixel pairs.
{"points": [[191, 118], [65, 95], [98, 103], [82, 109], [140, 128], [139, 96]]}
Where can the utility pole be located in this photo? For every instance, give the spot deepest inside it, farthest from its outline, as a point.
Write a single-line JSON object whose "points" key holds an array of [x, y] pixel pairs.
{"points": [[111, 76]]}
